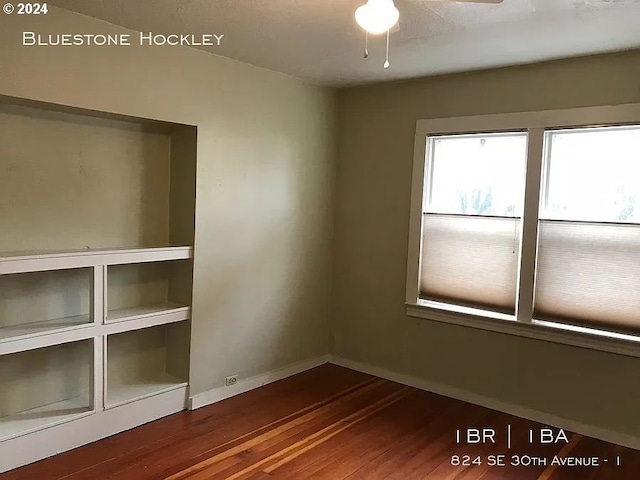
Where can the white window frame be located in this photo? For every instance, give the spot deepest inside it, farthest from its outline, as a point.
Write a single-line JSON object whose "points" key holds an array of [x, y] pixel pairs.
{"points": [[520, 324]]}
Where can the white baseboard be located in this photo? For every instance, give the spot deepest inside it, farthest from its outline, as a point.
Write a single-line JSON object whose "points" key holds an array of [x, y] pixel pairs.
{"points": [[221, 393], [47, 442], [494, 404]]}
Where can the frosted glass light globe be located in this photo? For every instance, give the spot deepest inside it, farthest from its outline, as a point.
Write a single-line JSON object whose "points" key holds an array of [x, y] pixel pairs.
{"points": [[377, 16]]}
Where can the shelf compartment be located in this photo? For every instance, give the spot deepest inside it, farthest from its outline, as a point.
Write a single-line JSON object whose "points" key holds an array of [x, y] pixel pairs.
{"points": [[146, 362], [47, 416], [151, 166], [151, 385], [33, 304], [44, 387], [149, 290]]}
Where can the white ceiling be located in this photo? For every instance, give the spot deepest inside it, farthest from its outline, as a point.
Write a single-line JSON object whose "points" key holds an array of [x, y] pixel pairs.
{"points": [[319, 41]]}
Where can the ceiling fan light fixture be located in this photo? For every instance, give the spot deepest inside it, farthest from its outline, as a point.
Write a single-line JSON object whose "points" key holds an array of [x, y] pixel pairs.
{"points": [[377, 16]]}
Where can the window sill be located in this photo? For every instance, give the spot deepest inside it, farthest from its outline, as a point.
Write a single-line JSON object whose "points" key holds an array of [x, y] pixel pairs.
{"points": [[538, 330]]}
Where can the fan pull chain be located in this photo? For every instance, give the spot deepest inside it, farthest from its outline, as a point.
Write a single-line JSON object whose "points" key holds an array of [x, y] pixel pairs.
{"points": [[366, 44], [386, 62]]}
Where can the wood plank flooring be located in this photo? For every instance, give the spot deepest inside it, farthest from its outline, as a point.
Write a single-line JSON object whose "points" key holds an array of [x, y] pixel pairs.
{"points": [[332, 423]]}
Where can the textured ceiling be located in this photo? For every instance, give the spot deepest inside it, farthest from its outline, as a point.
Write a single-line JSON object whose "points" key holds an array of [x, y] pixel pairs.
{"points": [[319, 41]]}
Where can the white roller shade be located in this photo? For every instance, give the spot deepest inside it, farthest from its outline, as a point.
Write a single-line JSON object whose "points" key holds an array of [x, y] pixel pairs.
{"points": [[589, 274], [470, 260]]}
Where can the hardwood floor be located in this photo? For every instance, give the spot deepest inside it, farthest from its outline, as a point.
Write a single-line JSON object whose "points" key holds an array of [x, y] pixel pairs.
{"points": [[332, 423]]}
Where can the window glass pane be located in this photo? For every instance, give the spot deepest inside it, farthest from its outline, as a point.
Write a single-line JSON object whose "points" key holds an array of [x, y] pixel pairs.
{"points": [[478, 174], [593, 175]]}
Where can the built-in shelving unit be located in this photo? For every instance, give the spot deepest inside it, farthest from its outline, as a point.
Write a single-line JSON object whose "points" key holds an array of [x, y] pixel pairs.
{"points": [[96, 273], [143, 354]]}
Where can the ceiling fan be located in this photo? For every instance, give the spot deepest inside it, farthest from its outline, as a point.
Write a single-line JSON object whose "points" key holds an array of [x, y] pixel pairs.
{"points": [[380, 16]]}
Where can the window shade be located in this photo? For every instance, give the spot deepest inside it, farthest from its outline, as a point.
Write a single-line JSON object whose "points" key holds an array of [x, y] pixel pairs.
{"points": [[470, 260], [589, 274]]}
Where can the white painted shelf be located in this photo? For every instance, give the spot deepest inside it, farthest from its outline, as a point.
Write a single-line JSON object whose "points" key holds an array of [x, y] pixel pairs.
{"points": [[89, 330], [176, 311], [158, 383], [21, 262], [27, 330], [43, 417]]}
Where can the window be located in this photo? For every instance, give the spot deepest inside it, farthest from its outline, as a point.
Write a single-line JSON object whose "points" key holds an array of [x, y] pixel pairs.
{"points": [[529, 223], [588, 270], [471, 219]]}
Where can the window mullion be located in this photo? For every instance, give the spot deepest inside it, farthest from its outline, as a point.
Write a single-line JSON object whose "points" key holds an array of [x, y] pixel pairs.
{"points": [[529, 227]]}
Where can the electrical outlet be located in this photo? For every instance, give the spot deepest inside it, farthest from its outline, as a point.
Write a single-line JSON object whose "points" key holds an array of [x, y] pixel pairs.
{"points": [[232, 380]]}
